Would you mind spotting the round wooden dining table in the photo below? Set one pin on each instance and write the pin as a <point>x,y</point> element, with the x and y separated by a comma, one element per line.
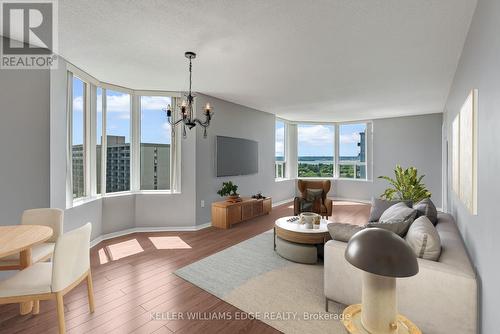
<point>20,239</point>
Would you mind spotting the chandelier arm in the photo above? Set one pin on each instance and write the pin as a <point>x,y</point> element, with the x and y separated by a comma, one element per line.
<point>203,124</point>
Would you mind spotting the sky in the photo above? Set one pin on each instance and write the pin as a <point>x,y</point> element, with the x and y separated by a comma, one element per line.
<point>318,139</point>
<point>154,125</point>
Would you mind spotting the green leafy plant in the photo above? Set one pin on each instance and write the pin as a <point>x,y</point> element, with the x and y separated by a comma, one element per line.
<point>228,189</point>
<point>406,185</point>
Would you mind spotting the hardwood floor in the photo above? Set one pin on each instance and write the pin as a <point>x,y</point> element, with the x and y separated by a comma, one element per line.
<point>129,288</point>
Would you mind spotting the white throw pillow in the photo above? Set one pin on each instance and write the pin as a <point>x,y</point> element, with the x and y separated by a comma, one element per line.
<point>424,239</point>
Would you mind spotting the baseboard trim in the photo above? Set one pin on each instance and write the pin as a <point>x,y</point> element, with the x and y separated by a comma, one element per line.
<point>112,235</point>
<point>282,202</point>
<point>365,201</point>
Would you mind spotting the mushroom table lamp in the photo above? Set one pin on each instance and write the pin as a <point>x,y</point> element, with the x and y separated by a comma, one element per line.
<point>383,256</point>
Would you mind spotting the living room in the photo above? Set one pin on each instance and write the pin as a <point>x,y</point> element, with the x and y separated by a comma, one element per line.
<point>260,167</point>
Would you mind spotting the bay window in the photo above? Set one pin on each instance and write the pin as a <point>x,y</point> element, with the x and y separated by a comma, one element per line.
<point>119,139</point>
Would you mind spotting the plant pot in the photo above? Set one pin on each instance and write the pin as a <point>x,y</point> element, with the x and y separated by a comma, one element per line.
<point>233,198</point>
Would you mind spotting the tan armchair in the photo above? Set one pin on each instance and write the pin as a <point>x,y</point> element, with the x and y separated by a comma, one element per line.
<point>322,206</point>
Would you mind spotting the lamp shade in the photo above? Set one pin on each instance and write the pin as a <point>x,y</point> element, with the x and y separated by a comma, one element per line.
<point>381,252</point>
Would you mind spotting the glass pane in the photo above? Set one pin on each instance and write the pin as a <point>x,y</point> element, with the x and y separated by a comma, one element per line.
<point>346,171</point>
<point>78,129</point>
<point>361,172</point>
<point>352,142</point>
<point>280,141</point>
<point>98,148</point>
<point>156,138</point>
<point>118,141</point>
<point>315,150</point>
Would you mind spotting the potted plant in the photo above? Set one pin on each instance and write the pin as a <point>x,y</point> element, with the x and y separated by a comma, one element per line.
<point>406,186</point>
<point>229,189</point>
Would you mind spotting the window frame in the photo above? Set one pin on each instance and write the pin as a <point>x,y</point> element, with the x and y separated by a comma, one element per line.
<point>281,164</point>
<point>85,143</point>
<point>139,141</point>
<point>335,150</point>
<point>354,163</point>
<point>337,163</point>
<point>90,138</point>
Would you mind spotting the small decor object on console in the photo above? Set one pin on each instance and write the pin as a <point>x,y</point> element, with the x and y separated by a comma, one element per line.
<point>259,196</point>
<point>186,108</point>
<point>229,189</point>
<point>407,186</point>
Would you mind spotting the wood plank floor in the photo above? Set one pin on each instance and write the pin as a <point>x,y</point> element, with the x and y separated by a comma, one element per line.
<point>129,288</point>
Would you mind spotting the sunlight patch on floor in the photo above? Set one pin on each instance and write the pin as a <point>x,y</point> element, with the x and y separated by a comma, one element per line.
<point>123,249</point>
<point>169,243</point>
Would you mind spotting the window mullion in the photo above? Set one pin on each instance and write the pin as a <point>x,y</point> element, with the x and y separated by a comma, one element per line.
<point>91,134</point>
<point>336,142</point>
<point>135,145</point>
<point>104,143</point>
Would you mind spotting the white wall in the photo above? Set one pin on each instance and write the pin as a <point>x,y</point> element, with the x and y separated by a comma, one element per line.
<point>479,68</point>
<point>235,120</point>
<point>24,142</point>
<point>407,141</point>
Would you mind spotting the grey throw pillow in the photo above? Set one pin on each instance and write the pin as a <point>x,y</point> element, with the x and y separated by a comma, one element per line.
<point>343,232</point>
<point>426,208</point>
<point>312,194</point>
<point>397,219</point>
<point>380,205</point>
<point>424,239</point>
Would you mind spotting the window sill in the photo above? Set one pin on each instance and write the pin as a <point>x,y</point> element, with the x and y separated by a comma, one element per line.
<point>333,179</point>
<point>85,200</point>
<point>282,179</point>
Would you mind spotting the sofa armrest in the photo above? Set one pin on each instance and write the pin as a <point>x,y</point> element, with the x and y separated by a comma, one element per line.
<point>439,294</point>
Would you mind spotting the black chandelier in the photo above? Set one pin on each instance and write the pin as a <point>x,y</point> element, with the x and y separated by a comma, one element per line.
<point>186,108</point>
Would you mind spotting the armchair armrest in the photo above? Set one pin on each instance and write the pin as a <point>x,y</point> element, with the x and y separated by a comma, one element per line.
<point>296,206</point>
<point>329,206</point>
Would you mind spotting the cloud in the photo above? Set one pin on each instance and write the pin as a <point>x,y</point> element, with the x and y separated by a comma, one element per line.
<point>118,104</point>
<point>155,103</point>
<point>78,103</point>
<point>350,138</point>
<point>315,135</point>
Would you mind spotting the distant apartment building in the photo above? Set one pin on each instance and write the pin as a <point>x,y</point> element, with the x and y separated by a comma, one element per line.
<point>155,166</point>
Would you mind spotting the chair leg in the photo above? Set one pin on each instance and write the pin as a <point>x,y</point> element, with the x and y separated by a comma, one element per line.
<point>36,307</point>
<point>90,292</point>
<point>60,312</point>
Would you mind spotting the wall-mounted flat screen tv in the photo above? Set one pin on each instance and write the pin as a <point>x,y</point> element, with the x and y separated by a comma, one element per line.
<point>236,156</point>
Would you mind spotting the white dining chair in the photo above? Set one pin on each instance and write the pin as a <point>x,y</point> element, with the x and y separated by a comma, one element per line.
<point>52,280</point>
<point>52,218</point>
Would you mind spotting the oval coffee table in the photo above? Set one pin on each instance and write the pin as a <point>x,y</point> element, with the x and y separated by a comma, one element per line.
<point>295,242</point>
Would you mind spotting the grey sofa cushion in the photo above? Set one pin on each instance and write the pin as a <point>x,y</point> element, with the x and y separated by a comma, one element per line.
<point>397,219</point>
<point>380,205</point>
<point>426,208</point>
<point>343,232</point>
<point>424,239</point>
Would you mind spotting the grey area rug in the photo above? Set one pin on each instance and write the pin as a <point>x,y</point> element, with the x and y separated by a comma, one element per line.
<point>251,276</point>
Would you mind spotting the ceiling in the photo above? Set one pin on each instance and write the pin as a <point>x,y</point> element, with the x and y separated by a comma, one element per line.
<point>321,60</point>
